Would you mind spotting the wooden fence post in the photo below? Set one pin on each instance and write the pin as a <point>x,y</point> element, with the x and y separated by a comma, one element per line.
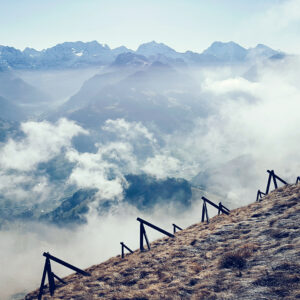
<point>269,181</point>
<point>204,212</point>
<point>143,235</point>
<point>43,279</point>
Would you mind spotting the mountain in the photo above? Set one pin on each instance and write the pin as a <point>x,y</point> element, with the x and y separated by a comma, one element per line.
<point>143,192</point>
<point>120,50</point>
<point>91,88</point>
<point>127,84</point>
<point>154,49</point>
<point>18,98</point>
<point>14,58</point>
<point>72,209</point>
<point>226,52</point>
<point>155,94</point>
<point>74,55</point>
<point>31,52</point>
<point>196,59</point>
<point>18,91</point>
<point>130,59</point>
<point>10,111</point>
<point>253,253</point>
<point>62,56</point>
<point>159,52</point>
<point>261,51</point>
<point>70,55</point>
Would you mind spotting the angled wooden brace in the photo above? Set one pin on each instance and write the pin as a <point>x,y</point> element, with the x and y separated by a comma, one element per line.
<point>123,246</point>
<point>176,227</point>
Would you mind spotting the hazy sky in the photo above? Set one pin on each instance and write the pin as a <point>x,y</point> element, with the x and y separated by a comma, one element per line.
<point>182,24</point>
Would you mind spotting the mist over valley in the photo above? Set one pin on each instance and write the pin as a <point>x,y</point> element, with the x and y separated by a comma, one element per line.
<point>92,137</point>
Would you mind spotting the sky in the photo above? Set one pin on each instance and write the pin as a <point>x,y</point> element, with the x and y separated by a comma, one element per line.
<point>181,24</point>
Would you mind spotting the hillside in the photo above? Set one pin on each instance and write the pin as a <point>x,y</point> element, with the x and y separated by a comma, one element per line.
<point>251,254</point>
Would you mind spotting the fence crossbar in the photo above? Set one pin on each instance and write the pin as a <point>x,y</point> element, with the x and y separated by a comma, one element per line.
<point>222,208</point>
<point>58,278</point>
<point>225,208</point>
<point>277,177</point>
<point>144,235</point>
<point>204,213</point>
<point>77,270</point>
<point>155,227</point>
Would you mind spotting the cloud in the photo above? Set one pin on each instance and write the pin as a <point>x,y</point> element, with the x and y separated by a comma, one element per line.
<point>19,160</point>
<point>236,84</point>
<point>131,149</point>
<point>105,169</point>
<point>42,142</point>
<point>161,166</point>
<point>128,130</point>
<point>94,171</point>
<point>262,131</point>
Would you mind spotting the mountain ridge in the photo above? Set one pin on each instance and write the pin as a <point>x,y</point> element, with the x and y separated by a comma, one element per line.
<point>84,54</point>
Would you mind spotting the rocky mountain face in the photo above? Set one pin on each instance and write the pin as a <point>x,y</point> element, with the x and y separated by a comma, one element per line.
<point>19,99</point>
<point>253,253</point>
<point>152,93</point>
<point>61,56</point>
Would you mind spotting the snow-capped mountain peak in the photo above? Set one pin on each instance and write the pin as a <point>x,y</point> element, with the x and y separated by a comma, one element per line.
<point>153,48</point>
<point>229,51</point>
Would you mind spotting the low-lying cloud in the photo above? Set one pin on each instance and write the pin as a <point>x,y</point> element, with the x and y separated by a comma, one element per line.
<point>42,142</point>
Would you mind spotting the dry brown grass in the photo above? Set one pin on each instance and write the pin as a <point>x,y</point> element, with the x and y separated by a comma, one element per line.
<point>237,259</point>
<point>251,254</point>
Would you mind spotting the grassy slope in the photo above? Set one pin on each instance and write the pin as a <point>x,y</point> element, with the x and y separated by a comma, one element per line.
<point>251,254</point>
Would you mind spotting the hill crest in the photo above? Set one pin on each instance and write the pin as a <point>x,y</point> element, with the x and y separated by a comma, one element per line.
<point>249,254</point>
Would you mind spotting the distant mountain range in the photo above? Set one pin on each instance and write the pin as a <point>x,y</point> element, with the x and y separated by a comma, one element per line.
<point>147,85</point>
<point>80,54</point>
